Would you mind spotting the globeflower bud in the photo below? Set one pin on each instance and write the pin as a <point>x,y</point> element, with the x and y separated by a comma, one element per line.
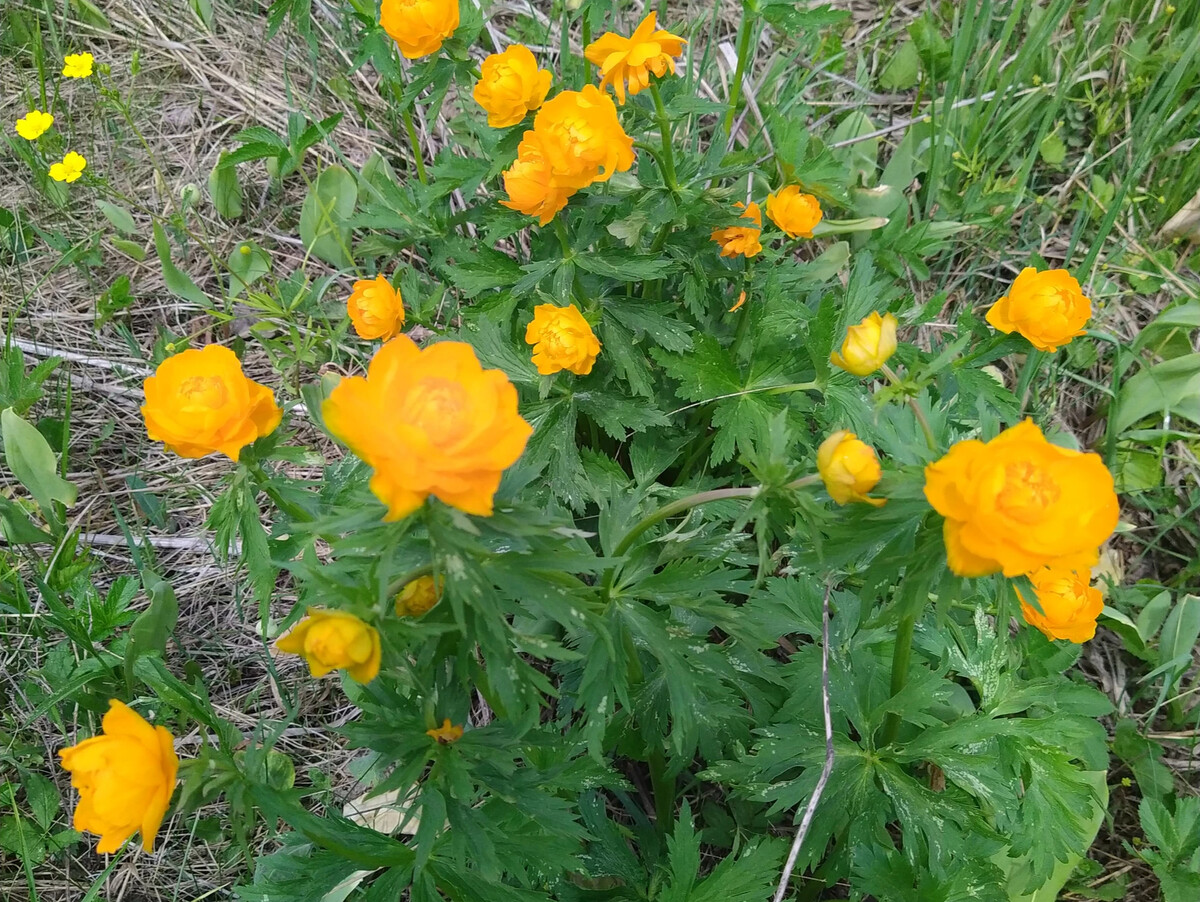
<point>376,309</point>
<point>1069,605</point>
<point>794,212</point>
<point>562,340</point>
<point>335,640</point>
<point>1048,308</point>
<point>511,85</point>
<point>419,27</point>
<point>418,596</point>
<point>849,468</point>
<point>125,778</point>
<point>867,346</point>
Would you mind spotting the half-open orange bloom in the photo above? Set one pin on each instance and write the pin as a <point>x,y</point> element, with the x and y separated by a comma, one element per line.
<point>1017,504</point>
<point>794,212</point>
<point>849,468</point>
<point>125,778</point>
<point>419,27</point>
<point>629,61</point>
<point>741,240</point>
<point>335,640</point>
<point>562,340</point>
<point>375,308</point>
<point>511,85</point>
<point>429,422</point>
<point>1069,605</point>
<point>199,401</point>
<point>1048,308</point>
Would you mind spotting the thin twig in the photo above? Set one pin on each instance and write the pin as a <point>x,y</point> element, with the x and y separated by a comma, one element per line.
<point>811,810</point>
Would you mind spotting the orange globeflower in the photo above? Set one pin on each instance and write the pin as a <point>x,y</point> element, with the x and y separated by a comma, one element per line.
<point>125,778</point>
<point>1069,605</point>
<point>796,213</point>
<point>335,640</point>
<point>531,185</point>
<point>446,733</point>
<point>375,308</point>
<point>867,346</point>
<point>562,340</point>
<point>511,85</point>
<point>1048,308</point>
<point>199,401</point>
<point>1018,503</point>
<point>582,136</point>
<point>630,60</point>
<point>741,240</point>
<point>429,422</point>
<point>849,468</point>
<point>419,596</point>
<point>419,27</point>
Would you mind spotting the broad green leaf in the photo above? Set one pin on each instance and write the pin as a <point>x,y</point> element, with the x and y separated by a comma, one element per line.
<point>203,10</point>
<point>178,282</point>
<point>225,189</point>
<point>1052,149</point>
<point>118,216</point>
<point>41,797</point>
<point>324,218</point>
<point>1181,629</point>
<point>1170,387</point>
<point>129,248</point>
<point>247,264</point>
<point>862,156</point>
<point>152,628</point>
<point>1152,615</point>
<point>32,461</point>
<point>903,69</point>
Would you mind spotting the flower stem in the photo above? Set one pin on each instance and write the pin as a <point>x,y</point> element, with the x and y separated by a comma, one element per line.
<point>416,147</point>
<point>901,655</point>
<point>743,55</point>
<point>917,410</point>
<point>664,126</point>
<point>1033,363</point>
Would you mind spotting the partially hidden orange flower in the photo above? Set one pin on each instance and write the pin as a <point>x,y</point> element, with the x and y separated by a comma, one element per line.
<point>419,596</point>
<point>562,340</point>
<point>1017,504</point>
<point>335,640</point>
<point>419,27</point>
<point>199,402</point>
<point>849,468</point>
<point>741,240</point>
<point>125,778</point>
<point>1048,308</point>
<point>576,140</point>
<point>446,733</point>
<point>429,422</point>
<point>794,212</point>
<point>376,309</point>
<point>629,61</point>
<point>511,85</point>
<point>1069,605</point>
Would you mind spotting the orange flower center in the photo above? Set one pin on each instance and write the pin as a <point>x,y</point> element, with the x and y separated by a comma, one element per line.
<point>1027,492</point>
<point>204,391</point>
<point>437,406</point>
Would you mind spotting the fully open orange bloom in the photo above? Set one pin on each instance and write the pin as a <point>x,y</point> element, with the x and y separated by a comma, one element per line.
<point>429,422</point>
<point>1048,308</point>
<point>849,468</point>
<point>794,212</point>
<point>419,27</point>
<point>511,85</point>
<point>375,308</point>
<point>125,778</point>
<point>1069,605</point>
<point>531,185</point>
<point>199,401</point>
<point>335,640</point>
<point>630,60</point>
<point>562,340</point>
<point>741,240</point>
<point>1018,503</point>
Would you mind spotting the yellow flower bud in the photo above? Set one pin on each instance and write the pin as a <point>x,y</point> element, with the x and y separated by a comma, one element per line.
<point>125,779</point>
<point>446,733</point>
<point>796,213</point>
<point>376,309</point>
<point>867,346</point>
<point>335,640</point>
<point>849,468</point>
<point>562,340</point>
<point>418,596</point>
<point>1069,605</point>
<point>1048,308</point>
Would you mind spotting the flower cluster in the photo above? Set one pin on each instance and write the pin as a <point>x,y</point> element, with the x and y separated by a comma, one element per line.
<point>576,141</point>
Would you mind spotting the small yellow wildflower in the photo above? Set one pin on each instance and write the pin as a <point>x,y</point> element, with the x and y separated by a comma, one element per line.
<point>34,125</point>
<point>78,65</point>
<point>69,169</point>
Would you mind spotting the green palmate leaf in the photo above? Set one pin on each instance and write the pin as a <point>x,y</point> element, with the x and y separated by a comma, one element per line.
<point>325,216</point>
<point>33,463</point>
<point>178,282</point>
<point>903,69</point>
<point>627,268</point>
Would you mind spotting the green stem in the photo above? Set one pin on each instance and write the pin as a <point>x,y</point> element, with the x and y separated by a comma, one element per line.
<point>1033,363</point>
<point>901,656</point>
<point>663,788</point>
<point>743,55</point>
<point>917,410</point>
<point>263,484</point>
<point>664,126</point>
<point>416,147</point>
<point>586,38</point>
